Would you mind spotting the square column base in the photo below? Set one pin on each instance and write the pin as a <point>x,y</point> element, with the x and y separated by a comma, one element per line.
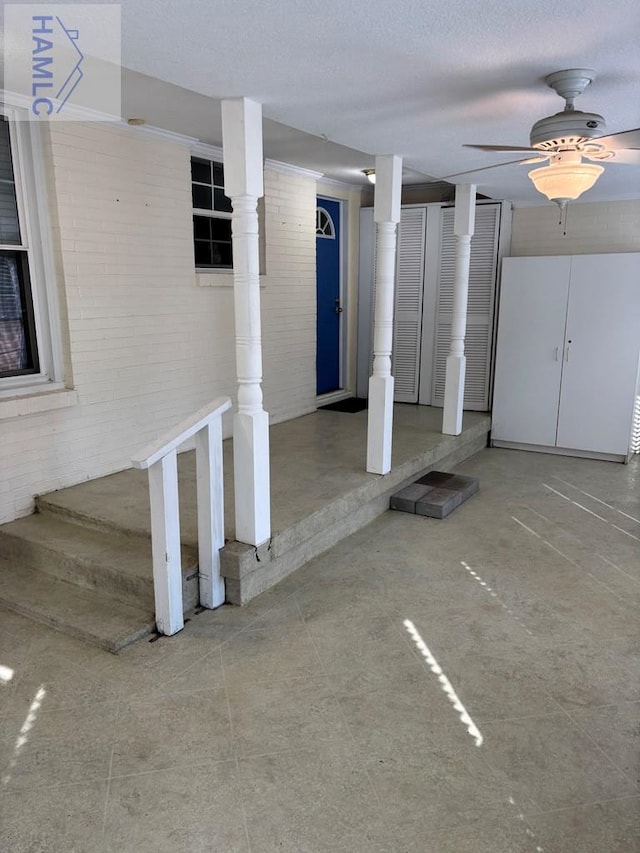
<point>380,424</point>
<point>454,395</point>
<point>251,477</point>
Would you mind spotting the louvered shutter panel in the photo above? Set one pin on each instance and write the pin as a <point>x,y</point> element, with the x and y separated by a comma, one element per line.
<point>407,324</point>
<point>482,284</point>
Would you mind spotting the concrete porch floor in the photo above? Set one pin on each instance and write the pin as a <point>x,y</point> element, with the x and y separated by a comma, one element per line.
<point>315,459</point>
<point>310,721</point>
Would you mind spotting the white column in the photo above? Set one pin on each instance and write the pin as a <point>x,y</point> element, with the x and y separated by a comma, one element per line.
<point>242,146</point>
<point>463,225</point>
<point>386,214</point>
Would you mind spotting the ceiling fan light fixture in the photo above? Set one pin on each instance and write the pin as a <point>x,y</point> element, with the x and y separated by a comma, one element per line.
<point>370,174</point>
<point>564,182</point>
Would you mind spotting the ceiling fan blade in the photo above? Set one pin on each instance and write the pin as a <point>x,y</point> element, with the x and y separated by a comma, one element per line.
<point>618,141</point>
<point>484,169</point>
<point>533,160</point>
<point>625,157</point>
<point>501,147</point>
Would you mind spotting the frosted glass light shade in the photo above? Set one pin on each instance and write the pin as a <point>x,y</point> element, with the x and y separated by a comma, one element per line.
<point>563,182</point>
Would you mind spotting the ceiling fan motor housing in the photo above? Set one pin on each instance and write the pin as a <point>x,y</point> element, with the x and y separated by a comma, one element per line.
<point>567,128</point>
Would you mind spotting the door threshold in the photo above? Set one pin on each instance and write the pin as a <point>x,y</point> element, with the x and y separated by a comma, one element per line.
<point>332,397</point>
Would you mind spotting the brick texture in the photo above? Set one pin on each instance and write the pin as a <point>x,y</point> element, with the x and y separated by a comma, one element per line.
<point>145,345</point>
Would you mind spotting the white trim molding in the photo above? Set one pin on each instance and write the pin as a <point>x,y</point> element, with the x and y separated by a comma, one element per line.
<point>341,185</point>
<point>159,132</point>
<point>72,112</point>
<point>206,151</point>
<point>289,168</point>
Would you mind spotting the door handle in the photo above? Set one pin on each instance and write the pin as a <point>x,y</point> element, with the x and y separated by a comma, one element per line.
<point>556,354</point>
<point>338,307</point>
<point>567,351</point>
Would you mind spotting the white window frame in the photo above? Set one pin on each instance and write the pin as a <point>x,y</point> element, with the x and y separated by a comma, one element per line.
<point>31,197</point>
<point>214,155</point>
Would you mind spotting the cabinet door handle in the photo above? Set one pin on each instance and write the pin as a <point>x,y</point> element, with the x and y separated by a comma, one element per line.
<point>567,350</point>
<point>556,354</point>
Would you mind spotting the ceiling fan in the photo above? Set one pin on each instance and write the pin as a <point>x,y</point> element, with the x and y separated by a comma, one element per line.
<point>569,138</point>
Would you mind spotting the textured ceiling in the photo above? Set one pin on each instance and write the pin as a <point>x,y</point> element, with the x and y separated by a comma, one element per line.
<point>413,77</point>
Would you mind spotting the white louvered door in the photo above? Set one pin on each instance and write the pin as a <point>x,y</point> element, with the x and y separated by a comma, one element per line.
<point>482,283</point>
<point>407,326</point>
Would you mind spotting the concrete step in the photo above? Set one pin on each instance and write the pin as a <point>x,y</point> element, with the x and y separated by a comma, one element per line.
<point>92,559</point>
<point>81,613</point>
<point>249,571</point>
<point>119,503</point>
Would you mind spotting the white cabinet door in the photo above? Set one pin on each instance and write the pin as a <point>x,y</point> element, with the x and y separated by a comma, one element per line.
<point>601,353</point>
<point>533,307</point>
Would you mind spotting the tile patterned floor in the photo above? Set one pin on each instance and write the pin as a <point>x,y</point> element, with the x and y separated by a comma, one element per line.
<point>312,722</point>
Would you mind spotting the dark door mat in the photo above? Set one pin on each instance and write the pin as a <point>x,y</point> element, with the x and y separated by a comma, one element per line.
<point>435,495</point>
<point>351,404</point>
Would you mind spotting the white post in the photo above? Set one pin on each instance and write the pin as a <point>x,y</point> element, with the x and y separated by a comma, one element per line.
<point>386,215</point>
<point>165,544</point>
<point>242,146</point>
<point>463,225</point>
<point>210,492</point>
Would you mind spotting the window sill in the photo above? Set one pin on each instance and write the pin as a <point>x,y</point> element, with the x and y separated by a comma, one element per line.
<point>214,278</point>
<point>219,278</point>
<point>34,402</point>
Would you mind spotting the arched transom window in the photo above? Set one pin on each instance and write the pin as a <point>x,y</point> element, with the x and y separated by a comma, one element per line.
<point>324,224</point>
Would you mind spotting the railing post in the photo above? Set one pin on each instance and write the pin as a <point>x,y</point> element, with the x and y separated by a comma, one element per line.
<point>165,543</point>
<point>210,494</point>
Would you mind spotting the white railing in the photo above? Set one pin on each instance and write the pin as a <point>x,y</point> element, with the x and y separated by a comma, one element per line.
<point>160,457</point>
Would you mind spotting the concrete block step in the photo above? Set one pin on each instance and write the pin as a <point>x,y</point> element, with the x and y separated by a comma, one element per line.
<point>92,559</point>
<point>81,613</point>
<point>438,503</point>
<point>467,486</point>
<point>435,494</point>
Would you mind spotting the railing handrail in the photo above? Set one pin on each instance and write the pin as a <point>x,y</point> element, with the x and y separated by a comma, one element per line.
<point>159,448</point>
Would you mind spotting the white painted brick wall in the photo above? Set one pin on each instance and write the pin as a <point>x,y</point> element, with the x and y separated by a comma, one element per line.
<point>592,228</point>
<point>147,345</point>
<point>289,299</point>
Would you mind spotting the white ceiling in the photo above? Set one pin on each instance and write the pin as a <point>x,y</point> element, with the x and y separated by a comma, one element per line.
<point>411,77</point>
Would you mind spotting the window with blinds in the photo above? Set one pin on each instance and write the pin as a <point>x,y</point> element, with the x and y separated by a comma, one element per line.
<point>18,348</point>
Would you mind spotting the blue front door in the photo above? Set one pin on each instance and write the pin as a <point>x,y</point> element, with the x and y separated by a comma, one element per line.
<point>328,295</point>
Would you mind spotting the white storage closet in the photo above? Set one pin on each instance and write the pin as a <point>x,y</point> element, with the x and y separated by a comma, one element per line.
<point>568,354</point>
<point>423,302</point>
